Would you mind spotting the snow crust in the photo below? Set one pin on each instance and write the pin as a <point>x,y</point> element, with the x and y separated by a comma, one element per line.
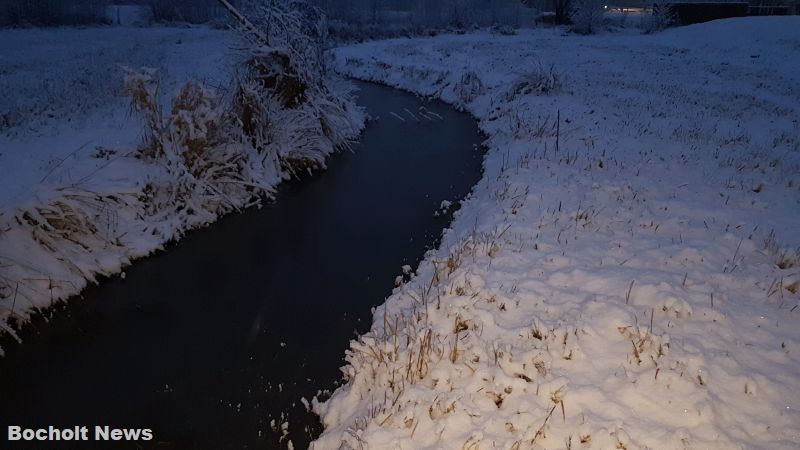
<point>625,275</point>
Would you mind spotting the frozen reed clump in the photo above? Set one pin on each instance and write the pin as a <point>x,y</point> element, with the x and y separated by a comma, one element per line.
<point>541,80</point>
<point>226,149</point>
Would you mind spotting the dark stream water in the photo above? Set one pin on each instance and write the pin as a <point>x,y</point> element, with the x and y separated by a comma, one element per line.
<point>208,342</point>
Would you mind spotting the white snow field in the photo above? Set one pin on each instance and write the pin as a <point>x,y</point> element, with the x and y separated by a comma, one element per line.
<point>75,200</point>
<point>624,276</point>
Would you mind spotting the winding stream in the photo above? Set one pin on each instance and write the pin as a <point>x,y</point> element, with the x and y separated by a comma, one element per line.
<point>209,341</point>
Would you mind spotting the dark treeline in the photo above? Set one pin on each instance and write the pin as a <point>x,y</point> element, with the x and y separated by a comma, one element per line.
<point>362,16</point>
<point>363,19</point>
<point>21,13</point>
<point>435,13</point>
<point>51,12</point>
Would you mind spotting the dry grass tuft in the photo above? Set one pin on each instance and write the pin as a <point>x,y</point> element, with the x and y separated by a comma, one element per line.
<point>142,88</point>
<point>469,88</point>
<point>787,259</point>
<point>542,80</point>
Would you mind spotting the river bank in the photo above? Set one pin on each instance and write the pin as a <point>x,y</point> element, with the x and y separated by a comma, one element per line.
<point>625,274</point>
<point>224,339</point>
<point>85,189</point>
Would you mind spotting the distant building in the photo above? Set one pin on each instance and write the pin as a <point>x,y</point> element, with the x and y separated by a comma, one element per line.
<point>753,7</point>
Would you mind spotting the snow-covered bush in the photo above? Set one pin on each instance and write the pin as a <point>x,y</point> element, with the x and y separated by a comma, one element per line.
<point>663,17</point>
<point>294,28</point>
<point>195,124</point>
<point>469,87</point>
<point>298,121</point>
<point>587,16</point>
<point>541,80</point>
<point>142,88</point>
<point>226,152</point>
<point>287,63</point>
<point>211,172</point>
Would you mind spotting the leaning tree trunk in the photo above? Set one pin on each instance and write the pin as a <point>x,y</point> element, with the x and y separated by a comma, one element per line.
<point>248,26</point>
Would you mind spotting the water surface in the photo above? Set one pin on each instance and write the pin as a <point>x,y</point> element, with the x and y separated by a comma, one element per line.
<point>228,329</point>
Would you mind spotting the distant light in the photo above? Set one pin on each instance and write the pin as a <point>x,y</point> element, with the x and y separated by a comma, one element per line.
<point>605,7</point>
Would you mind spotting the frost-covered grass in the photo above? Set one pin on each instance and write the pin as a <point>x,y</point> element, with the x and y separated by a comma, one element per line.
<point>625,275</point>
<point>103,161</point>
<point>63,89</point>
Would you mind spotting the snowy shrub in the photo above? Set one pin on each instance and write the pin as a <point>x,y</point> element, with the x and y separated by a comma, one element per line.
<point>540,80</point>
<point>197,146</point>
<point>469,87</point>
<point>294,28</point>
<point>224,153</point>
<point>142,87</point>
<point>300,124</point>
<point>195,122</point>
<point>314,115</point>
<point>587,16</point>
<point>663,17</point>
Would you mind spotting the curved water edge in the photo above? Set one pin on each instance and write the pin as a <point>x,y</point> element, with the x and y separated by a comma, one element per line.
<point>209,342</point>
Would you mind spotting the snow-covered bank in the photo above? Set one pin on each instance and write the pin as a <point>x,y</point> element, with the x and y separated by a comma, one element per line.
<point>86,185</point>
<point>626,273</point>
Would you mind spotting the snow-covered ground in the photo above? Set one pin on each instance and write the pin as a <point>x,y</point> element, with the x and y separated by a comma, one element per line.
<point>62,94</point>
<point>76,201</point>
<point>625,275</point>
